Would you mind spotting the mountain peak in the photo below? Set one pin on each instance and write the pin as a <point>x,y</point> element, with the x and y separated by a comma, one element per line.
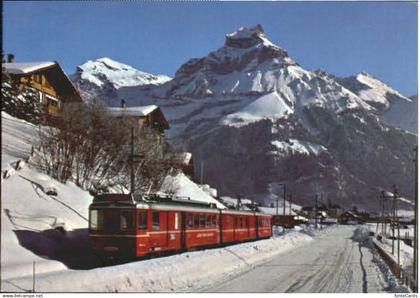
<point>247,37</point>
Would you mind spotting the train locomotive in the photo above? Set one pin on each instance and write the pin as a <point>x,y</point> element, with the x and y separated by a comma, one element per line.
<point>127,226</point>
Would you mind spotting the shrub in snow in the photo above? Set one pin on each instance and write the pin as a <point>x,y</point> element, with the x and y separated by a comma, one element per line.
<point>21,103</point>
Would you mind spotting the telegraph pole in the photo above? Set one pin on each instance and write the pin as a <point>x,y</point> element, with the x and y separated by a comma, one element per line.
<point>379,215</point>
<point>132,161</point>
<point>290,201</point>
<point>415,239</point>
<point>316,211</point>
<point>394,207</point>
<point>284,199</point>
<point>383,211</point>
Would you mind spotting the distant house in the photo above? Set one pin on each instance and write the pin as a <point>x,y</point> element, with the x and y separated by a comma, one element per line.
<point>149,116</point>
<point>54,89</point>
<point>334,211</point>
<point>350,217</point>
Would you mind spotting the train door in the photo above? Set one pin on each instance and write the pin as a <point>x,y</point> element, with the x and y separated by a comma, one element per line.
<point>183,232</point>
<point>159,231</point>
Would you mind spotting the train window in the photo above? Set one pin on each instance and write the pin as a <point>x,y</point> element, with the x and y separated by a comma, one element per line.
<point>247,222</point>
<point>202,220</point>
<point>142,220</point>
<point>196,221</point>
<point>213,220</point>
<point>126,220</point>
<point>208,221</point>
<point>240,221</point>
<point>176,220</point>
<point>156,221</point>
<point>94,220</point>
<point>190,221</point>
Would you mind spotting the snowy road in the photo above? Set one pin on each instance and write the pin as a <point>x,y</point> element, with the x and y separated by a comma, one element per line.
<point>333,263</point>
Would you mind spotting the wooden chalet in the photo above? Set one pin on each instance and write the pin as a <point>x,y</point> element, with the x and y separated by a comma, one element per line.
<point>350,217</point>
<point>149,116</point>
<point>48,80</point>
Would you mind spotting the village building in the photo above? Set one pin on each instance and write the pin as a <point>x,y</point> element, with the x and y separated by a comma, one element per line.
<point>54,89</point>
<point>351,217</point>
<point>144,116</point>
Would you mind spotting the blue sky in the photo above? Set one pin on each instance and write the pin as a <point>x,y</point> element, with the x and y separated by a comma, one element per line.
<point>157,37</point>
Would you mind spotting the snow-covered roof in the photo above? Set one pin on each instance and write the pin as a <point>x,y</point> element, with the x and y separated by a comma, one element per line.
<point>132,111</point>
<point>275,211</point>
<point>26,67</point>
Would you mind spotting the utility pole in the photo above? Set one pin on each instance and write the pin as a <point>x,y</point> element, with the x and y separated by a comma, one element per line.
<point>132,161</point>
<point>277,206</point>
<point>379,214</point>
<point>415,239</point>
<point>383,211</point>
<point>284,199</point>
<point>394,207</point>
<point>201,172</point>
<point>316,211</point>
<point>398,243</point>
<point>290,201</point>
<point>284,207</point>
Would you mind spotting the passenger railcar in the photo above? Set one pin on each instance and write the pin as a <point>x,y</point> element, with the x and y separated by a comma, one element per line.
<point>124,226</point>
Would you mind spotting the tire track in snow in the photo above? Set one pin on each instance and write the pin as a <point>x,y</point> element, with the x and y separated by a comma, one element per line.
<point>364,275</point>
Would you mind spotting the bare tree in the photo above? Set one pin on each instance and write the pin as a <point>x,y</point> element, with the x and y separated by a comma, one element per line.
<point>92,148</point>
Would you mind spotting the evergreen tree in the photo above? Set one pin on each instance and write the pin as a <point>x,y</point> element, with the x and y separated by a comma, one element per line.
<point>23,104</point>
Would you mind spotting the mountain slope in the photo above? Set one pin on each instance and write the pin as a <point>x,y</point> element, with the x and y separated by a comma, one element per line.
<point>256,119</point>
<point>394,108</point>
<point>104,77</point>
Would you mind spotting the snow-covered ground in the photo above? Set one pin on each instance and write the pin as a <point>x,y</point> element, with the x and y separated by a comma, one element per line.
<point>183,272</point>
<point>50,230</point>
<point>406,251</point>
<point>339,260</point>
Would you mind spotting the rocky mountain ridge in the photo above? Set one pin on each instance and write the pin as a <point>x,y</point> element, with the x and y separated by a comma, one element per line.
<point>249,111</point>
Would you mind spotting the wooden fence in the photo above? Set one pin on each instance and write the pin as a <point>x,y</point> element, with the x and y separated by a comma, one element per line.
<point>403,275</point>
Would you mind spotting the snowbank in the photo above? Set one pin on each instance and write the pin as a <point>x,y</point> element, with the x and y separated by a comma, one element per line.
<point>182,273</point>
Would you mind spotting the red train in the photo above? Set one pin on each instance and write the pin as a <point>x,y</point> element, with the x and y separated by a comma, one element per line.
<point>125,226</point>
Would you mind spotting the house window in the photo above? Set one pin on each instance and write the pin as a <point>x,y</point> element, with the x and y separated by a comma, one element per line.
<point>156,221</point>
<point>37,78</point>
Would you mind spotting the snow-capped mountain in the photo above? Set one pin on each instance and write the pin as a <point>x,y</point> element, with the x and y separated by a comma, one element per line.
<point>394,108</point>
<point>255,119</point>
<point>104,77</point>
